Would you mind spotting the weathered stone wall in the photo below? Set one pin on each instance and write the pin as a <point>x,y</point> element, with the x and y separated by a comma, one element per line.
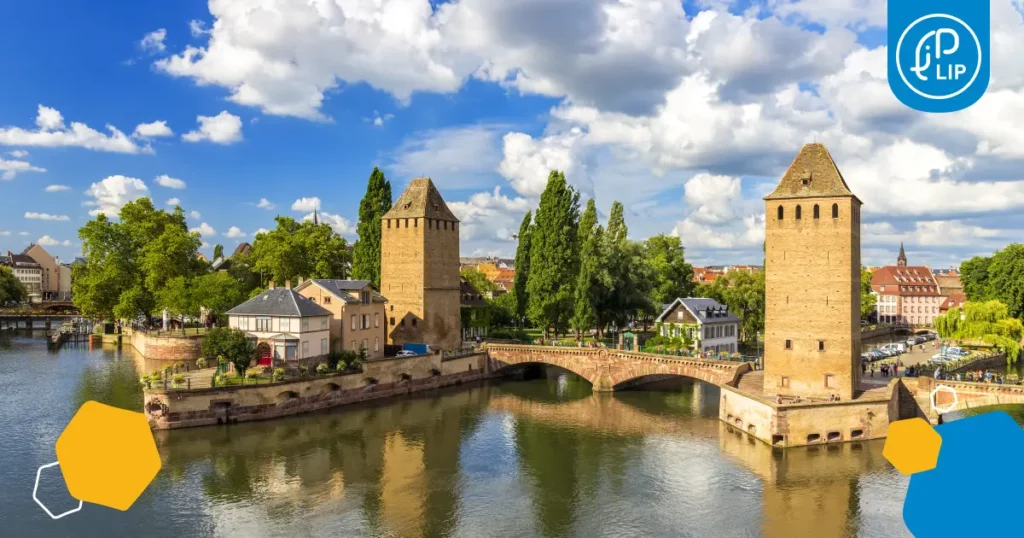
<point>607,370</point>
<point>168,409</point>
<point>812,295</point>
<point>165,347</point>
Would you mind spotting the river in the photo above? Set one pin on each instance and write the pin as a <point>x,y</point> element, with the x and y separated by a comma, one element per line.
<point>541,457</point>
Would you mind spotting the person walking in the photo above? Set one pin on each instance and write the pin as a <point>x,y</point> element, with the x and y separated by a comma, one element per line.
<point>872,370</point>
<point>896,370</point>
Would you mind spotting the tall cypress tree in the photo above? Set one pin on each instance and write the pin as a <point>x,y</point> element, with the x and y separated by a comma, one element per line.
<point>554,255</point>
<point>373,206</point>
<point>523,267</point>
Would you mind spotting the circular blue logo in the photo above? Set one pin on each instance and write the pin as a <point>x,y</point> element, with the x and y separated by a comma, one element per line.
<point>938,56</point>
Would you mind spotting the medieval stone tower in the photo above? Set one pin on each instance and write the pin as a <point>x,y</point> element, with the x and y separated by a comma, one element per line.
<point>419,271</point>
<point>812,281</point>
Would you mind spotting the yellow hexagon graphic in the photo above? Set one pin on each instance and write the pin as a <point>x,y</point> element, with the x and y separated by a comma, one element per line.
<point>107,455</point>
<point>912,446</point>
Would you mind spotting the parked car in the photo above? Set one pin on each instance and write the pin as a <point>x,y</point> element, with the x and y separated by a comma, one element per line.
<point>886,352</point>
<point>863,323</point>
<point>896,347</point>
<point>406,353</point>
<point>956,351</point>
<point>911,342</point>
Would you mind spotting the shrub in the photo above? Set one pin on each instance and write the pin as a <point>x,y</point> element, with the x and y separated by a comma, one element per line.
<point>146,382</point>
<point>201,363</point>
<point>167,371</point>
<point>341,366</point>
<point>179,380</point>
<point>303,370</point>
<point>179,365</point>
<point>356,363</point>
<point>253,375</point>
<point>278,374</point>
<point>156,375</point>
<point>322,368</point>
<point>218,380</point>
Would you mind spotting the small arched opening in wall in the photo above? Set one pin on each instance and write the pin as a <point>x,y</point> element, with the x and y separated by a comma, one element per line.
<point>287,396</point>
<point>404,377</point>
<point>434,372</point>
<point>371,381</point>
<point>328,388</point>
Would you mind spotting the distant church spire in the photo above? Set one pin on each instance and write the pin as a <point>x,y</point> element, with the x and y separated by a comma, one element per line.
<point>316,222</point>
<point>901,260</point>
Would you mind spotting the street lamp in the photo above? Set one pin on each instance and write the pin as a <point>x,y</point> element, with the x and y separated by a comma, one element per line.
<point>758,356</point>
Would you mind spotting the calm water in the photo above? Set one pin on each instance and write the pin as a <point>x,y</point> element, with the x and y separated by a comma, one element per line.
<point>544,457</point>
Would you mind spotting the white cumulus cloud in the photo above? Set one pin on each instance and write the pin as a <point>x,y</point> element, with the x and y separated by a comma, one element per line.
<point>306,204</point>
<point>234,232</point>
<point>52,132</point>
<point>56,188</point>
<point>155,129</point>
<point>265,204</point>
<point>154,41</point>
<point>170,182</point>
<point>10,169</point>
<point>224,128</point>
<point>204,230</point>
<point>113,192</point>
<point>173,202</point>
<point>341,225</point>
<point>46,216</point>
<point>48,241</point>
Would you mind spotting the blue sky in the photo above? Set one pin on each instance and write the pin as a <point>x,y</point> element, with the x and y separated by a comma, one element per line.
<point>688,114</point>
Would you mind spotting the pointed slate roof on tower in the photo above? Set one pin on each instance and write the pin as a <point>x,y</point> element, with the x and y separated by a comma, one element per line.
<point>421,200</point>
<point>901,260</point>
<point>813,174</point>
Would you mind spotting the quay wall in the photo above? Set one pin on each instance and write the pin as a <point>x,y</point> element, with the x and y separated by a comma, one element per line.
<point>805,424</point>
<point>169,348</point>
<point>172,408</point>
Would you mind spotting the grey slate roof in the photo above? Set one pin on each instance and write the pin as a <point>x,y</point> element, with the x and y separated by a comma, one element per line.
<point>279,302</point>
<point>338,287</point>
<point>696,306</point>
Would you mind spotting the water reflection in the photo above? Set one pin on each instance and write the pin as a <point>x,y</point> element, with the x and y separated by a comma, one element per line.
<point>541,457</point>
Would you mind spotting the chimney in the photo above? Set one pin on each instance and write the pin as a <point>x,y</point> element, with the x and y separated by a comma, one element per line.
<point>271,285</point>
<point>288,284</point>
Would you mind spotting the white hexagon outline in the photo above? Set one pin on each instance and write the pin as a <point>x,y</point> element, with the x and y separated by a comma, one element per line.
<point>35,490</point>
<point>948,408</point>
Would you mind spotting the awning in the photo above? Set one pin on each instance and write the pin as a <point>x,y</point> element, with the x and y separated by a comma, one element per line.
<point>284,337</point>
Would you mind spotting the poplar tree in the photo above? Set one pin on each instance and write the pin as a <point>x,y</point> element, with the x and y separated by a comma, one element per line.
<point>366,253</point>
<point>522,265</point>
<point>590,281</point>
<point>554,255</point>
<point>218,251</point>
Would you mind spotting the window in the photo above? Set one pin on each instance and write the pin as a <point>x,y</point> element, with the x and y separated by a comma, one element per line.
<point>353,322</point>
<point>323,346</point>
<point>323,324</point>
<point>799,213</point>
<point>376,343</point>
<point>415,223</point>
<point>406,223</point>
<point>817,213</point>
<point>305,350</point>
<point>364,344</point>
<point>305,325</point>
<point>354,346</point>
<point>835,211</point>
<point>376,320</point>
<point>284,324</point>
<point>402,322</point>
<point>243,323</point>
<point>392,321</point>
<point>780,212</point>
<point>821,345</point>
<point>784,382</point>
<point>366,321</point>
<point>413,322</point>
<point>789,344</point>
<point>830,381</point>
<point>389,223</point>
<point>430,225</point>
<point>366,297</point>
<point>263,324</point>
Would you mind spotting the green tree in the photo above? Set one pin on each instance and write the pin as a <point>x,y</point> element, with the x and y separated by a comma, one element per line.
<point>867,299</point>
<point>218,252</point>
<point>988,321</point>
<point>478,280</point>
<point>129,262</point>
<point>974,277</point>
<point>293,250</point>
<point>218,292</point>
<point>592,281</point>
<point>672,276</point>
<point>178,298</point>
<point>1006,278</point>
<point>522,263</point>
<point>628,299</point>
<point>232,345</point>
<point>11,289</point>
<point>375,203</point>
<point>554,255</point>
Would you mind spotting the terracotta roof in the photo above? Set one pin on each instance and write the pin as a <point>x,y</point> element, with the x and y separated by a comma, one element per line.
<point>701,274</point>
<point>949,282</point>
<point>906,281</point>
<point>954,300</point>
<point>242,250</point>
<point>421,199</point>
<point>813,174</point>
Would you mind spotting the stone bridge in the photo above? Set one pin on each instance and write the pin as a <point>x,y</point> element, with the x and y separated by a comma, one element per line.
<point>608,370</point>
<point>968,395</point>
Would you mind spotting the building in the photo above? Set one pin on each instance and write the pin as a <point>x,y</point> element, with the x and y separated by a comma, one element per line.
<point>949,282</point>
<point>906,294</point>
<point>475,311</point>
<point>358,315</point>
<point>285,325</point>
<point>50,270</point>
<point>706,275</point>
<point>812,292</point>
<point>29,273</point>
<point>953,300</point>
<point>420,268</point>
<point>222,264</point>
<point>705,322</point>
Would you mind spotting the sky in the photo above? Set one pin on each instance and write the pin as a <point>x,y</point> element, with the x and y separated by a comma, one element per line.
<point>688,113</point>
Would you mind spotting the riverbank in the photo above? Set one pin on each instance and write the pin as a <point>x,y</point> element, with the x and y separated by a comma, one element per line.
<point>181,408</point>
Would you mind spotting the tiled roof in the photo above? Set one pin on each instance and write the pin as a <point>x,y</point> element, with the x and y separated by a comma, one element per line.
<point>242,249</point>
<point>701,274</point>
<point>906,281</point>
<point>705,310</point>
<point>280,302</point>
<point>949,283</point>
<point>339,288</point>
<point>421,199</point>
<point>813,174</point>
<point>468,294</point>
<point>24,260</point>
<point>954,300</point>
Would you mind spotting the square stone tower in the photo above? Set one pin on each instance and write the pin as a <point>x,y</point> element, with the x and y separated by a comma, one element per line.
<point>812,281</point>
<point>419,271</point>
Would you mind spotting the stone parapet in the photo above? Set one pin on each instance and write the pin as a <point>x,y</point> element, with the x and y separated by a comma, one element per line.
<point>166,347</point>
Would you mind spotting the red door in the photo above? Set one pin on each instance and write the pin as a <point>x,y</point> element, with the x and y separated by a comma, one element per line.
<point>266,356</point>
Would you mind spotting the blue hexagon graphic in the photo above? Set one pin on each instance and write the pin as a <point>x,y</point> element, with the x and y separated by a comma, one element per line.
<point>964,495</point>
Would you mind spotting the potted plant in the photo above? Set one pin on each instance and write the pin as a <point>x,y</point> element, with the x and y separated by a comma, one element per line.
<point>322,368</point>
<point>178,381</point>
<point>201,363</point>
<point>278,374</point>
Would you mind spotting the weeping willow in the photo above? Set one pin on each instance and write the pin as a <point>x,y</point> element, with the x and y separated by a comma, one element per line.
<point>989,322</point>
